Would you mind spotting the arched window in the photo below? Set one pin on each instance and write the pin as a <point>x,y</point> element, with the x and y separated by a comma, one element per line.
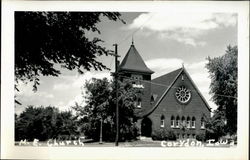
<point>193,122</point>
<point>177,122</point>
<point>188,122</point>
<point>139,103</point>
<point>172,121</point>
<point>202,123</point>
<point>183,122</point>
<point>162,120</point>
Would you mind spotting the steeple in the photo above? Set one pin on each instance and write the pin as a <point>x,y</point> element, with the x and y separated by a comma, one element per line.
<point>132,40</point>
<point>134,62</point>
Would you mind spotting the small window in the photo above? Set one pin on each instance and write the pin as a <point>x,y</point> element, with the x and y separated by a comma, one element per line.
<point>202,123</point>
<point>139,103</point>
<point>193,122</point>
<point>172,121</point>
<point>162,121</point>
<point>153,98</point>
<point>177,122</point>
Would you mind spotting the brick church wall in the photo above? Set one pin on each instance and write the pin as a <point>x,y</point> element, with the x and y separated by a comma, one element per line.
<point>170,106</point>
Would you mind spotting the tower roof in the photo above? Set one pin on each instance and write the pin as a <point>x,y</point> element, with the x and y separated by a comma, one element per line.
<point>134,62</point>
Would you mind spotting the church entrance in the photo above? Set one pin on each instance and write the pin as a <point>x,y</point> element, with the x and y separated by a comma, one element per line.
<point>146,127</point>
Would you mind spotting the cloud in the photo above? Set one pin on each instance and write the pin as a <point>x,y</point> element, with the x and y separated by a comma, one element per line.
<point>197,69</point>
<point>182,27</point>
<point>74,83</point>
<point>48,95</point>
<point>197,65</point>
<point>65,91</point>
<point>79,99</point>
<point>26,90</point>
<point>77,81</point>
<point>170,63</point>
<point>61,86</point>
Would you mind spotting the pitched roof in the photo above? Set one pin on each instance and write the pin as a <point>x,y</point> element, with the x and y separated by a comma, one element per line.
<point>134,62</point>
<point>167,81</point>
<point>158,90</point>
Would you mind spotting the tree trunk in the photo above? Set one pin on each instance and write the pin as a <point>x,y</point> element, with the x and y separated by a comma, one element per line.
<point>100,131</point>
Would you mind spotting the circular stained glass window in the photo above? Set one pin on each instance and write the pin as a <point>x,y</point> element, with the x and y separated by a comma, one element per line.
<point>183,94</point>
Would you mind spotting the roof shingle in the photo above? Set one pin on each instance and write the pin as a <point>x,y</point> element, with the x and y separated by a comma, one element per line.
<point>134,62</point>
<point>166,80</point>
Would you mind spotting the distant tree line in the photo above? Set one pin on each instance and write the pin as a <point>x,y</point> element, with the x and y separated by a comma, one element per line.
<point>44,123</point>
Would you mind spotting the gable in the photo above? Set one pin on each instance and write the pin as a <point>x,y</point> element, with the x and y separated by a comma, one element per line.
<point>166,81</point>
<point>197,90</point>
<point>170,86</point>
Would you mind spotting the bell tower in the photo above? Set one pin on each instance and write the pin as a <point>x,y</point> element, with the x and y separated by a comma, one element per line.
<point>134,68</point>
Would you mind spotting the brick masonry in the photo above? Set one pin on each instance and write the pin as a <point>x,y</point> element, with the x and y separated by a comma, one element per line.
<point>170,106</point>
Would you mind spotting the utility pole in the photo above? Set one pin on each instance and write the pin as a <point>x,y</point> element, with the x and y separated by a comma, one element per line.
<point>116,95</point>
<point>100,141</point>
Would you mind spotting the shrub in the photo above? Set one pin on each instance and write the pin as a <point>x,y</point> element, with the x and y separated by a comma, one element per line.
<point>163,134</point>
<point>159,134</point>
<point>201,137</point>
<point>171,135</point>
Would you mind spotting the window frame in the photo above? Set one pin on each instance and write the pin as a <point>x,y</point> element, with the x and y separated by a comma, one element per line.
<point>172,122</point>
<point>162,123</point>
<point>177,122</point>
<point>193,122</point>
<point>188,122</point>
<point>202,123</point>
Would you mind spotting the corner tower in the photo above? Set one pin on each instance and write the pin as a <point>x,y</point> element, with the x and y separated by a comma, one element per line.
<point>133,67</point>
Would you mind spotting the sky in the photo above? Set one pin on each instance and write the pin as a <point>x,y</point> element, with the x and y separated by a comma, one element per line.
<point>164,40</point>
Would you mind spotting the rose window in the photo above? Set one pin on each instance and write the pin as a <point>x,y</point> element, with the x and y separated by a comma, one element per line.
<point>183,94</point>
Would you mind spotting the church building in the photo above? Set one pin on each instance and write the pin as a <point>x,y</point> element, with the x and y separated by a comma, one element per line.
<point>171,101</point>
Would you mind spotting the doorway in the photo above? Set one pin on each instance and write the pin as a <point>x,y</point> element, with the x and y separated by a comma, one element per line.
<point>146,127</point>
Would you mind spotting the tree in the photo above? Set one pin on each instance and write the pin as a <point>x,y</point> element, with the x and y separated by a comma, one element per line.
<point>96,110</point>
<point>43,39</point>
<point>101,106</point>
<point>224,80</point>
<point>215,126</point>
<point>44,123</point>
